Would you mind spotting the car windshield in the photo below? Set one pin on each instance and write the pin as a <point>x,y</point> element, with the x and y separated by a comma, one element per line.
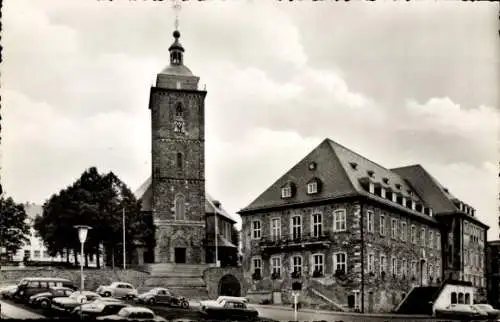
<point>485,306</point>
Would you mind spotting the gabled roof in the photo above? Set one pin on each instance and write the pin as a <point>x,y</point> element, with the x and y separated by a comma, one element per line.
<point>145,194</point>
<point>335,182</point>
<point>340,171</point>
<point>433,193</point>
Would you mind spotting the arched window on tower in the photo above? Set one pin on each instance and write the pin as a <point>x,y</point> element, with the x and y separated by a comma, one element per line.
<point>179,161</point>
<point>178,110</point>
<point>180,207</point>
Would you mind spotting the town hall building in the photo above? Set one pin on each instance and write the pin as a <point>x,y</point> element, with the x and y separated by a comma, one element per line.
<point>357,236</point>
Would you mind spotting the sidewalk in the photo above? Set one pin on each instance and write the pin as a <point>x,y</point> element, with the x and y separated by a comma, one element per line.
<point>10,311</point>
<point>388,315</point>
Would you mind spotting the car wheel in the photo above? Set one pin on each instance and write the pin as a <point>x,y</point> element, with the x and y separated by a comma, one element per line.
<point>151,301</point>
<point>44,304</point>
<point>185,304</point>
<point>107,294</point>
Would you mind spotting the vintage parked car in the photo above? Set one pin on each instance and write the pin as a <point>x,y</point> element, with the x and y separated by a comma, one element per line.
<point>492,312</point>
<point>230,310</point>
<point>100,307</point>
<point>220,300</point>
<point>44,299</point>
<point>133,313</point>
<point>75,299</point>
<point>162,295</point>
<point>8,291</point>
<point>33,285</point>
<point>118,289</point>
<point>467,311</point>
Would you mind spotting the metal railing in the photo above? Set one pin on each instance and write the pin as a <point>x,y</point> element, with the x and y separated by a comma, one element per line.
<point>271,240</point>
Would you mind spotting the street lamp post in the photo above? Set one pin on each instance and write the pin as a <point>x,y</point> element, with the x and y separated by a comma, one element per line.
<point>82,235</point>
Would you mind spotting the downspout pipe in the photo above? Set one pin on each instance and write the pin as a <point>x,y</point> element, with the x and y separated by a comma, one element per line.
<point>362,259</point>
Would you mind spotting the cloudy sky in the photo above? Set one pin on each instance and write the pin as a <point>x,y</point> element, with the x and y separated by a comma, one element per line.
<point>400,83</point>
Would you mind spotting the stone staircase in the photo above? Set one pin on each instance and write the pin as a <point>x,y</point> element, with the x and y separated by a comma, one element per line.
<point>182,279</point>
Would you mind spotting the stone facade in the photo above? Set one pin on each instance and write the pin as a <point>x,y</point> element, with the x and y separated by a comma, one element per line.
<point>382,290</point>
<point>178,163</point>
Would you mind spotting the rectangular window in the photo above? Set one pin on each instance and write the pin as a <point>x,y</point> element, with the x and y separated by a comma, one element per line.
<point>27,254</point>
<point>394,266</point>
<point>312,187</point>
<point>339,223</point>
<point>414,269</point>
<point>296,227</point>
<point>318,263</point>
<point>370,220</point>
<point>422,236</point>
<point>394,228</point>
<point>413,234</point>
<point>430,271</point>
<point>256,229</point>
<point>438,241</point>
<point>437,271</point>
<point>297,264</point>
<point>403,231</point>
<point>431,238</point>
<point>286,192</point>
<point>276,228</point>
<point>371,263</point>
<point>404,268</point>
<point>276,266</point>
<point>383,264</point>
<point>257,264</point>
<point>45,254</point>
<point>340,262</point>
<point>382,225</point>
<point>317,224</point>
<point>37,254</point>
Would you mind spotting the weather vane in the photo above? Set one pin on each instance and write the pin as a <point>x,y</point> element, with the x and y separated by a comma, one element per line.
<point>177,9</point>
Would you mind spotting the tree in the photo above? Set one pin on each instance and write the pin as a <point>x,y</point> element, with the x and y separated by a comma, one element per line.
<point>98,201</point>
<point>13,225</point>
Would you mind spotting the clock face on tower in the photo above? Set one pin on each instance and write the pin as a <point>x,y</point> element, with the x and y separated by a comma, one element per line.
<point>179,126</point>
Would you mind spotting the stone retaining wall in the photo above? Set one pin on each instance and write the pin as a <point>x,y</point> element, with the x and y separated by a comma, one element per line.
<point>213,275</point>
<point>93,277</point>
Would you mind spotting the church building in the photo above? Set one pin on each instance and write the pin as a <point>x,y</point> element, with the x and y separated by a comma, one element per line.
<point>183,212</point>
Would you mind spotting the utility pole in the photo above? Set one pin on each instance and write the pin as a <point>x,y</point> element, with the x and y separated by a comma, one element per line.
<point>124,248</point>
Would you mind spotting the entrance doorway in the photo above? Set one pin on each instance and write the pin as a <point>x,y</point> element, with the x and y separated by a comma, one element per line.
<point>229,286</point>
<point>180,255</point>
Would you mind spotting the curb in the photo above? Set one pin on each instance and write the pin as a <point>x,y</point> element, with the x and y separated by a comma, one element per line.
<point>388,315</point>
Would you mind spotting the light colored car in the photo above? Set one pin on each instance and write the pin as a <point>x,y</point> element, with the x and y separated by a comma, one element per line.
<point>455,311</point>
<point>118,289</point>
<point>488,309</point>
<point>75,299</point>
<point>231,310</point>
<point>135,313</point>
<point>219,302</point>
<point>44,299</point>
<point>8,291</point>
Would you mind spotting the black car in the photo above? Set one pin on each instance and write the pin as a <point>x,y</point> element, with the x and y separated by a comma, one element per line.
<point>162,295</point>
<point>100,307</point>
<point>44,299</point>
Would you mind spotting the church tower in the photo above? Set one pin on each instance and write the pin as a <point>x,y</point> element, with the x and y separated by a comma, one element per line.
<point>178,161</point>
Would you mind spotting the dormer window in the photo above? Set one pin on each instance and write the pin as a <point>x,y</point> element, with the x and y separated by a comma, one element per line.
<point>353,165</point>
<point>385,180</point>
<point>370,173</point>
<point>288,190</point>
<point>398,186</point>
<point>446,190</point>
<point>313,186</point>
<point>410,193</point>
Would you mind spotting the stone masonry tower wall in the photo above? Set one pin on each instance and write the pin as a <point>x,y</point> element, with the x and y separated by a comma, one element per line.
<point>178,162</point>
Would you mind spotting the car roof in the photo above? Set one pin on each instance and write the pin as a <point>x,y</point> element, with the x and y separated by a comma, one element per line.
<point>50,279</point>
<point>136,309</point>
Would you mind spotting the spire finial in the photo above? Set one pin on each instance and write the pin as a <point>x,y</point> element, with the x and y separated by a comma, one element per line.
<point>177,8</point>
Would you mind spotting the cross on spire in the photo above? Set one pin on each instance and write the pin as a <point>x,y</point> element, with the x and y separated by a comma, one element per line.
<point>177,8</point>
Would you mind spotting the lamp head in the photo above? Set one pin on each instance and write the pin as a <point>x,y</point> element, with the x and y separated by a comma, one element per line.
<point>82,232</point>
